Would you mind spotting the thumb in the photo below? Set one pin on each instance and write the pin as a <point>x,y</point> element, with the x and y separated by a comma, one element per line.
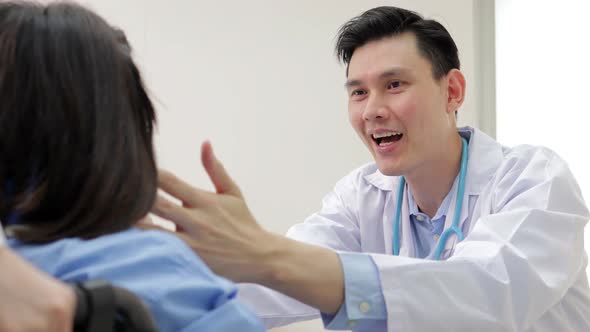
<point>217,173</point>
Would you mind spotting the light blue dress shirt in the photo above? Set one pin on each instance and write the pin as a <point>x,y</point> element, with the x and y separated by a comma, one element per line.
<point>364,306</point>
<point>182,293</point>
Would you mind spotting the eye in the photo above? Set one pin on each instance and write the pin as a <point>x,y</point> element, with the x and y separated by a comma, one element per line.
<point>357,93</point>
<point>394,85</point>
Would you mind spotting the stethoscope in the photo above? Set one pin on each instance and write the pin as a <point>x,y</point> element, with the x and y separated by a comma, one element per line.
<point>454,229</point>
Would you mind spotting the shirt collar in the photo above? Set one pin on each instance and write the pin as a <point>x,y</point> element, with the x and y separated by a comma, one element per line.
<point>442,209</point>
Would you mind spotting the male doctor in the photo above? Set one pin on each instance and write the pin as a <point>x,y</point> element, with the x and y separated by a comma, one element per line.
<point>446,231</point>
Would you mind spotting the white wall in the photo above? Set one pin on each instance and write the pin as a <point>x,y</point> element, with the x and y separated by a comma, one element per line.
<point>543,69</point>
<point>259,79</point>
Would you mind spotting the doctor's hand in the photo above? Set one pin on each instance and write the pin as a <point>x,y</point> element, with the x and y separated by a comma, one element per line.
<point>217,226</point>
<point>31,301</point>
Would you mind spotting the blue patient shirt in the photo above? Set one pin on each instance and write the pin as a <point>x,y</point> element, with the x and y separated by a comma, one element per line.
<point>182,293</point>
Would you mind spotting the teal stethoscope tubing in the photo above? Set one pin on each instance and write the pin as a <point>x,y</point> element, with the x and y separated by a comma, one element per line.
<point>454,229</point>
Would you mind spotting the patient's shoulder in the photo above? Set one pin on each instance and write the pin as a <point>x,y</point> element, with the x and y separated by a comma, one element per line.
<point>176,284</point>
<point>157,266</point>
<point>145,251</point>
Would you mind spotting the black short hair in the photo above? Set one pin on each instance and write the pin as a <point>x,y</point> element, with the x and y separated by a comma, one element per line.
<point>76,124</point>
<point>434,41</point>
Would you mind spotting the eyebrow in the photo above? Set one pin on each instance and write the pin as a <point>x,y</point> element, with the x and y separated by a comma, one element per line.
<point>388,73</point>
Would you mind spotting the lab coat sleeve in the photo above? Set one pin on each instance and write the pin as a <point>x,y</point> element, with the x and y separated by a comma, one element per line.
<point>517,262</point>
<point>335,226</point>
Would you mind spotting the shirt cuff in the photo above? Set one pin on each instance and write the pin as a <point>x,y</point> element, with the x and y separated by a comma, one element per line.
<point>364,305</point>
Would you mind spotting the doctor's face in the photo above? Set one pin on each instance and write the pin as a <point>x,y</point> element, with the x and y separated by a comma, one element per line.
<point>396,106</point>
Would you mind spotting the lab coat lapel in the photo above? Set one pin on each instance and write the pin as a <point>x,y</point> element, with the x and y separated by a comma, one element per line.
<point>406,240</point>
<point>484,156</point>
<point>463,214</point>
<point>388,215</point>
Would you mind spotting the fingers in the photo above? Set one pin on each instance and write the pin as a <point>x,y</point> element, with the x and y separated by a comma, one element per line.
<point>185,237</point>
<point>147,220</point>
<point>155,227</point>
<point>217,173</point>
<point>177,214</point>
<point>181,190</point>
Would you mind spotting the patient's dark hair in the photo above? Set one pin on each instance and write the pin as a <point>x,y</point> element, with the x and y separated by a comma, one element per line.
<point>76,152</point>
<point>434,41</point>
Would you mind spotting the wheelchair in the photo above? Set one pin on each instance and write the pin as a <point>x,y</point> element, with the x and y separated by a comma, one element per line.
<point>102,307</point>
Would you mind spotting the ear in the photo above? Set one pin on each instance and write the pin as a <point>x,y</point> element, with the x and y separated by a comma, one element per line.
<point>455,90</point>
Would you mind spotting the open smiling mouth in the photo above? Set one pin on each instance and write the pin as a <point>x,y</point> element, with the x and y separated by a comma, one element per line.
<point>386,138</point>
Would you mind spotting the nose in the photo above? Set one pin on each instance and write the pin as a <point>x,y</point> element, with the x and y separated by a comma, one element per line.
<point>376,108</point>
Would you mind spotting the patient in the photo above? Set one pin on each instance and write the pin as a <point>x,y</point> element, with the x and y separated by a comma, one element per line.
<point>77,168</point>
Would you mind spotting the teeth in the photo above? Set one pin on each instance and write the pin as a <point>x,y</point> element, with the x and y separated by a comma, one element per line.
<point>375,136</point>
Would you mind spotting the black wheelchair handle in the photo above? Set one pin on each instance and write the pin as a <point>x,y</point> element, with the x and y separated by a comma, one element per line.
<point>102,307</point>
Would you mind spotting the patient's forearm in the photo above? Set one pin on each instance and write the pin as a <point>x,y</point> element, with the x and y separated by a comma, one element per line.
<point>308,273</point>
<point>32,300</point>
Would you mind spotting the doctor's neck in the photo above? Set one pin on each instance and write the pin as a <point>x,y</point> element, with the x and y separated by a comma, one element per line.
<point>433,179</point>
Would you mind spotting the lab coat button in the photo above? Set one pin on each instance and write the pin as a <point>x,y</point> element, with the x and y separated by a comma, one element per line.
<point>435,237</point>
<point>351,323</point>
<point>364,307</point>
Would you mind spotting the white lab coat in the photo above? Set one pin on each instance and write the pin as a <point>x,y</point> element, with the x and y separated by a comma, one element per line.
<point>521,266</point>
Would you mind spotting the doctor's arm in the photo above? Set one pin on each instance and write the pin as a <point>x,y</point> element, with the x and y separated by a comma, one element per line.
<point>221,229</point>
<point>335,226</point>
